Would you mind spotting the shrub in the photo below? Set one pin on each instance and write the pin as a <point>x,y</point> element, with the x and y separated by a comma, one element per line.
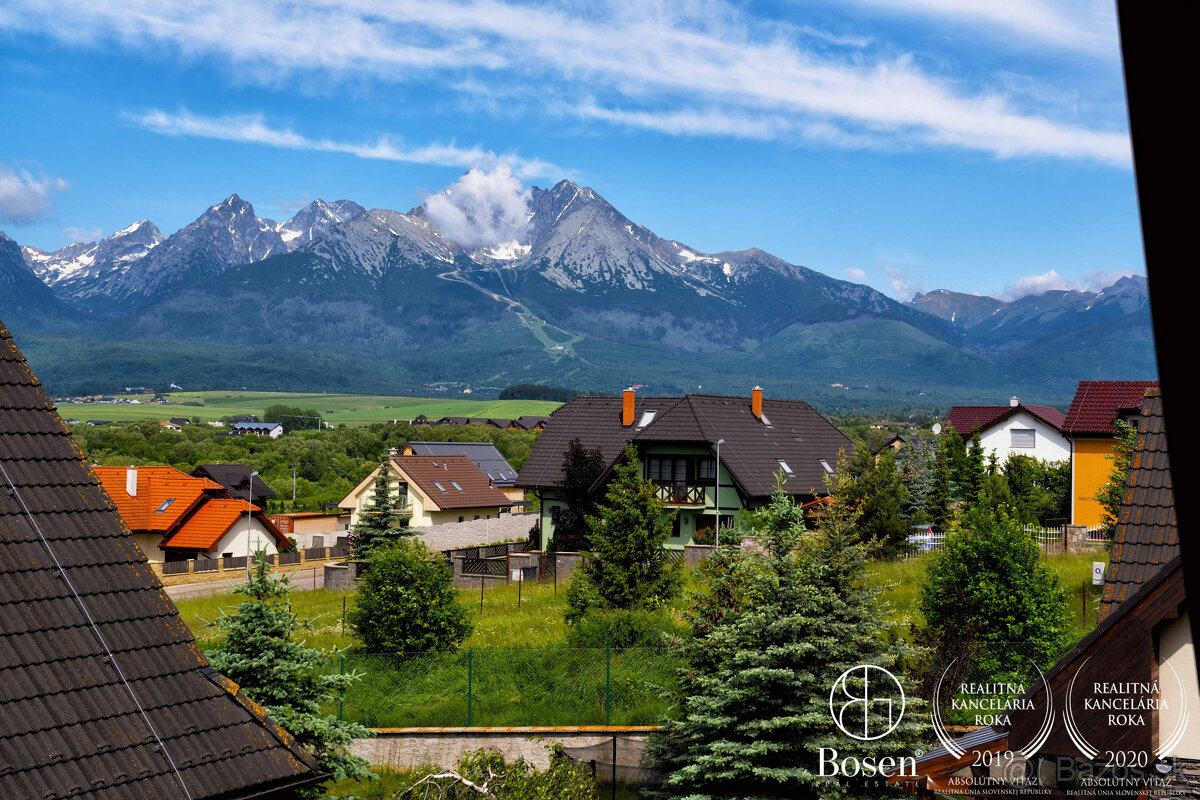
<point>620,629</point>
<point>406,602</point>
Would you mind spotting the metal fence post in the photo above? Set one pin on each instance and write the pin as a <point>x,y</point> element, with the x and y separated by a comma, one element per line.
<point>470,677</point>
<point>608,686</point>
<point>342,693</point>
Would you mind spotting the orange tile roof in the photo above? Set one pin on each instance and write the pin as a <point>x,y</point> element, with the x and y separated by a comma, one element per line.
<point>204,529</point>
<point>155,486</point>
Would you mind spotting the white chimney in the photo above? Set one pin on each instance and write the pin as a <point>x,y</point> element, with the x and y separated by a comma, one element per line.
<point>1013,401</point>
<point>131,481</point>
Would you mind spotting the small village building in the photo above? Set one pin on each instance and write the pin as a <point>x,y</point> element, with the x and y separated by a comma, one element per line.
<point>484,455</point>
<point>1089,427</point>
<point>174,516</point>
<point>677,442</point>
<point>272,429</point>
<point>434,490</point>
<point>106,693</point>
<point>236,478</point>
<point>1015,429</point>
<point>313,528</point>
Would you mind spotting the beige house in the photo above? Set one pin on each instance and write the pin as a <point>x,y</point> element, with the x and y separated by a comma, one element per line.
<point>312,528</point>
<point>434,489</point>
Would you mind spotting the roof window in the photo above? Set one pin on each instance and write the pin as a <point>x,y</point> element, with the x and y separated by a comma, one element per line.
<point>456,486</point>
<point>647,417</point>
<point>765,421</point>
<point>165,505</point>
<point>826,467</point>
<point>441,488</point>
<point>785,466</point>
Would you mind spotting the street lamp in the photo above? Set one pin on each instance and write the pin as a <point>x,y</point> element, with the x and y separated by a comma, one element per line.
<point>717,493</point>
<point>249,517</point>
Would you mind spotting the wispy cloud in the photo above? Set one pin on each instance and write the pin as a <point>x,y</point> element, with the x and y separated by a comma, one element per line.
<point>253,129</point>
<point>902,283</point>
<point>83,234</point>
<point>25,199</point>
<point>856,274</point>
<point>649,65</point>
<point>1081,26</point>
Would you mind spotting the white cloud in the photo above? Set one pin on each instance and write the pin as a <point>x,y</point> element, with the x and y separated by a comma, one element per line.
<point>902,284</point>
<point>24,198</point>
<point>1073,25</point>
<point>1050,280</point>
<point>856,274</point>
<point>84,234</point>
<point>253,129</point>
<point>481,208</point>
<point>651,64</point>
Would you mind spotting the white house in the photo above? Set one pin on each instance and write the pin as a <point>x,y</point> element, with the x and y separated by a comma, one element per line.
<point>1014,429</point>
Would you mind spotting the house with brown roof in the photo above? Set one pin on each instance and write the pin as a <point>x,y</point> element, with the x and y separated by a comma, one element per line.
<point>484,455</point>
<point>106,694</point>
<point>677,443</point>
<point>1089,428</point>
<point>174,516</point>
<point>1014,429</point>
<point>434,490</point>
<point>1130,687</point>
<point>236,478</point>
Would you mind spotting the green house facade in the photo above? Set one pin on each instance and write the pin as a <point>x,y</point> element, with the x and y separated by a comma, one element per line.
<point>677,438</point>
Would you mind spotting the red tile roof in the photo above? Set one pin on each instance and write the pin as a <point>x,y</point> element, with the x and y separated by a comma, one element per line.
<point>205,529</point>
<point>476,492</point>
<point>965,419</point>
<point>155,486</point>
<point>1097,404</point>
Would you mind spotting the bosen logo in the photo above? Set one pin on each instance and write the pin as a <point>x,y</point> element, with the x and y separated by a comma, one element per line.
<point>866,702</point>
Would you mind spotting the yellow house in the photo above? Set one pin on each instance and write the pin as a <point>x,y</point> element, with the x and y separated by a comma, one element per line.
<point>434,489</point>
<point>1089,427</point>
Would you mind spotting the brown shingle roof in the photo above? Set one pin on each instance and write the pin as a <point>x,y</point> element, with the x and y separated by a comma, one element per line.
<point>75,590</point>
<point>436,476</point>
<point>965,419</point>
<point>1097,404</point>
<point>1147,535</point>
<point>797,435</point>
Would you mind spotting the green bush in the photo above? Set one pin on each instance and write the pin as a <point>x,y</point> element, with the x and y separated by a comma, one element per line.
<point>406,602</point>
<point>621,628</point>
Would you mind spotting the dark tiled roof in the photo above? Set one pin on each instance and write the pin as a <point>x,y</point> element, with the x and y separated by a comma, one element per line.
<point>528,423</point>
<point>483,454</point>
<point>233,478</point>
<point>1146,536</point>
<point>75,588</point>
<point>965,419</point>
<point>797,435</point>
<point>1097,404</point>
<point>476,491</point>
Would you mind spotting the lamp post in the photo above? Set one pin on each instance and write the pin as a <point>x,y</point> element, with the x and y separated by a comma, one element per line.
<point>294,465</point>
<point>717,493</point>
<point>249,518</point>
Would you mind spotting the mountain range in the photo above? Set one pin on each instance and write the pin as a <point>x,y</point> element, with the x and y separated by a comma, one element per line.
<point>342,298</point>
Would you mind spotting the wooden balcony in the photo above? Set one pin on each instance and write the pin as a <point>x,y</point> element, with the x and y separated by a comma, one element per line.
<point>680,494</point>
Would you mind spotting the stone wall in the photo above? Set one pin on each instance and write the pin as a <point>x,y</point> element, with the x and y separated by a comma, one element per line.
<point>455,535</point>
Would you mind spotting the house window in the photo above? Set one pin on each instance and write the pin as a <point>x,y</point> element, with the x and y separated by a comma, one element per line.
<point>456,486</point>
<point>460,519</point>
<point>647,417</point>
<point>784,466</point>
<point>476,516</point>
<point>825,466</point>
<point>706,469</point>
<point>667,469</point>
<point>441,488</point>
<point>165,505</point>
<point>1023,438</point>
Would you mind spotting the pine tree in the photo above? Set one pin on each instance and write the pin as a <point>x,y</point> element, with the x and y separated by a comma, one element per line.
<point>955,451</point>
<point>628,567</point>
<point>917,464</point>
<point>381,522</point>
<point>772,633</point>
<point>973,471</point>
<point>260,654</point>
<point>881,497</point>
<point>941,491</point>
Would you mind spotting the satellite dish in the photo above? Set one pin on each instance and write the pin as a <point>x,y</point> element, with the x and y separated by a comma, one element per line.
<point>937,429</point>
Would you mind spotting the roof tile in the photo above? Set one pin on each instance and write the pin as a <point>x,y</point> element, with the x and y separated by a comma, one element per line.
<point>1097,404</point>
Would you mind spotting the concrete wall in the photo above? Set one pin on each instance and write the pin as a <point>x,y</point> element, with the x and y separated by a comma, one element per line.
<point>442,747</point>
<point>454,535</point>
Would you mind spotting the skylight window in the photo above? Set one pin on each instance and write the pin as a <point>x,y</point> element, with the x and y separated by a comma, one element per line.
<point>165,505</point>
<point>456,486</point>
<point>441,488</point>
<point>765,421</point>
<point>826,467</point>
<point>647,417</point>
<point>785,466</point>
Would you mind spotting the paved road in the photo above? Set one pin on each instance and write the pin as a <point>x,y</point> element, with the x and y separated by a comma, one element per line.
<point>302,580</point>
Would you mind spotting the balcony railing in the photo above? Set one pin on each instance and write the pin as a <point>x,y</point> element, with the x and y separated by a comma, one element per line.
<point>680,494</point>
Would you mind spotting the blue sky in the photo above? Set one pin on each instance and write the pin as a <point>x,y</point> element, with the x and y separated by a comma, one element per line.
<point>908,144</point>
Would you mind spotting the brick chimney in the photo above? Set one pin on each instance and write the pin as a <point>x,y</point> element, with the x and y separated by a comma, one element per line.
<point>756,401</point>
<point>1013,401</point>
<point>627,398</point>
<point>131,481</point>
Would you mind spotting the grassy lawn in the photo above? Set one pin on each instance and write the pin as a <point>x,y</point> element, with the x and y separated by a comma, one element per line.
<point>349,409</point>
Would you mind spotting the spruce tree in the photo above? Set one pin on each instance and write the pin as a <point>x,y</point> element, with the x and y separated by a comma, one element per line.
<point>581,468</point>
<point>973,470</point>
<point>941,491</point>
<point>380,523</point>
<point>261,655</point>
<point>628,567</point>
<point>772,633</point>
